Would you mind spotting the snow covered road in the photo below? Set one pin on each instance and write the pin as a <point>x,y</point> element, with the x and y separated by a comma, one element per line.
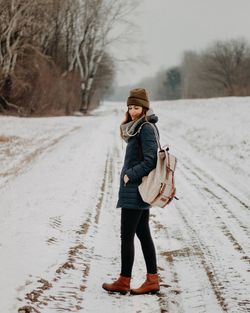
<point>59,228</point>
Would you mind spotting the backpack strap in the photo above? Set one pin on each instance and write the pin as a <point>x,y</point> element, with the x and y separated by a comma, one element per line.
<point>155,131</point>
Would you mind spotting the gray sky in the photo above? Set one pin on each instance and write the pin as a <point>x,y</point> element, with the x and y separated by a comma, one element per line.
<point>169,27</point>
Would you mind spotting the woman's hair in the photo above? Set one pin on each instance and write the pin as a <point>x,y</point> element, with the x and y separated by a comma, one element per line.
<point>128,118</point>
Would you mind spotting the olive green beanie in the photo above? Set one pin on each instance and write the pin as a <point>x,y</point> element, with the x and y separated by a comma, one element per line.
<point>138,96</point>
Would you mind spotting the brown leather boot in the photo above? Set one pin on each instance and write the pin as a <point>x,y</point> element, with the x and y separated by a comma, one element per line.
<point>121,285</point>
<point>151,285</point>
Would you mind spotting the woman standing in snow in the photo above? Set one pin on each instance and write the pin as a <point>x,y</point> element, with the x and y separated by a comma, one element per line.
<point>140,159</point>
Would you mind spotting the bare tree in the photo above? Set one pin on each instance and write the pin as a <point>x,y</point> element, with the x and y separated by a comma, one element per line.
<point>103,82</point>
<point>96,20</point>
<point>226,66</point>
<point>74,35</point>
<point>221,70</point>
<point>21,22</point>
<point>190,68</point>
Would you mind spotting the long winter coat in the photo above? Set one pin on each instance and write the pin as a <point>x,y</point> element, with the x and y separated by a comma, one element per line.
<point>140,159</point>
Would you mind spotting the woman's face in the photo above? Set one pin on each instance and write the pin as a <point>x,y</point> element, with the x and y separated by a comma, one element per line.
<point>135,111</point>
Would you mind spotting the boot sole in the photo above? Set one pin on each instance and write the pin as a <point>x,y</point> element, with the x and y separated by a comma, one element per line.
<point>123,293</point>
<point>151,292</point>
<point>116,291</point>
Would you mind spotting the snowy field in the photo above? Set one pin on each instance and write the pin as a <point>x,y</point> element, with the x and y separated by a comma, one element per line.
<point>59,228</point>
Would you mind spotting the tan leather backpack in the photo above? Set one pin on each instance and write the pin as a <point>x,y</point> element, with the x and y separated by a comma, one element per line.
<point>158,188</point>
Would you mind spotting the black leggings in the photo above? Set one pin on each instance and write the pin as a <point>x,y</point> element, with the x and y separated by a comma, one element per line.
<point>135,221</point>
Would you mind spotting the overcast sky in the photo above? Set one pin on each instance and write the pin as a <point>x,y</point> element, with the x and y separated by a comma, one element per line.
<point>169,27</point>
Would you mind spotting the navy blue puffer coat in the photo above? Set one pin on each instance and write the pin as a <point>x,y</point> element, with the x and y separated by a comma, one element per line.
<point>140,159</point>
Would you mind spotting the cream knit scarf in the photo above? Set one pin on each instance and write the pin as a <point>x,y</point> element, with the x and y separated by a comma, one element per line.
<point>128,129</point>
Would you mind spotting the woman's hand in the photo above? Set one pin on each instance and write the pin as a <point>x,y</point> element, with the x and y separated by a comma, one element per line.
<point>126,179</point>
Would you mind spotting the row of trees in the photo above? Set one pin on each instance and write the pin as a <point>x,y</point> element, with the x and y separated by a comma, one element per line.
<point>223,69</point>
<point>54,54</point>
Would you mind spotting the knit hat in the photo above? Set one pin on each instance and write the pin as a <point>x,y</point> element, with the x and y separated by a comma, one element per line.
<point>138,96</point>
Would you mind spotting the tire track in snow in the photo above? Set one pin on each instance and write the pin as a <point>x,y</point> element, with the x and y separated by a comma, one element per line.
<point>22,165</point>
<point>170,295</point>
<point>65,291</point>
<point>202,172</point>
<point>228,277</point>
<point>226,200</point>
<point>215,203</point>
<point>208,270</point>
<point>207,207</point>
<point>229,285</point>
<point>205,179</point>
<point>184,269</point>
